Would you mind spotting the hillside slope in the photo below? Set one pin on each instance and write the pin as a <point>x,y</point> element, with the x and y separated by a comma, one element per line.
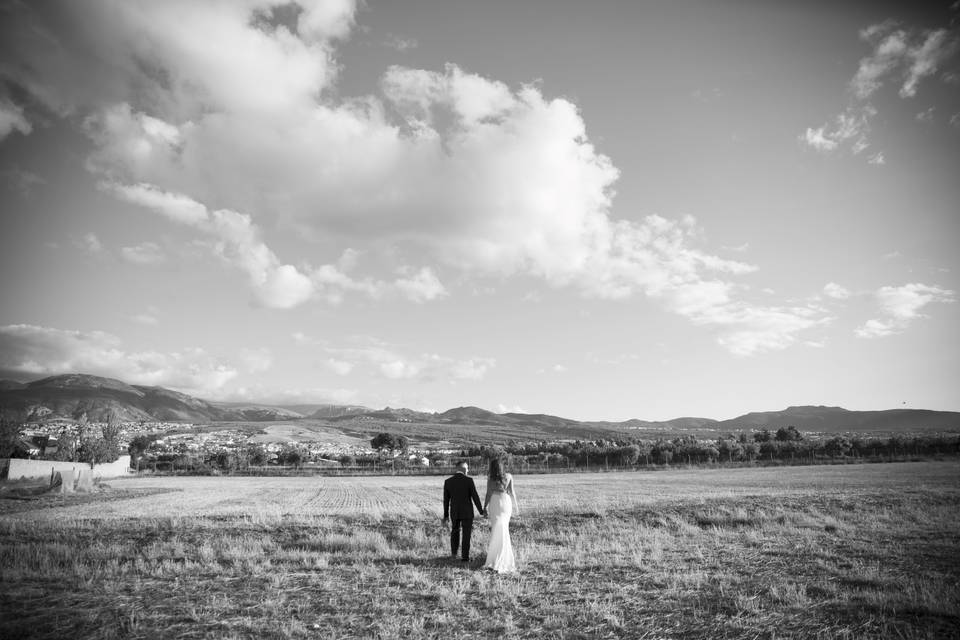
<point>838,419</point>
<point>71,395</point>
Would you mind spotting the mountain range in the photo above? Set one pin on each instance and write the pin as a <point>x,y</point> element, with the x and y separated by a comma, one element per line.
<point>71,395</point>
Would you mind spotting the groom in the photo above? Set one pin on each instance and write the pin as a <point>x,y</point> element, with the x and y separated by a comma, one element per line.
<point>458,491</point>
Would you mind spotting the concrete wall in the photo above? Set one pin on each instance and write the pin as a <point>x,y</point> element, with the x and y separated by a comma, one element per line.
<point>18,469</point>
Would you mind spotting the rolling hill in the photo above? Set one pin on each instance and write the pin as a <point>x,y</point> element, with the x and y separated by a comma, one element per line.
<point>71,395</point>
<point>838,419</point>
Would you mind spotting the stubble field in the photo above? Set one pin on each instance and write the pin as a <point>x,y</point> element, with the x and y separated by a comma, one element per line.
<point>852,551</point>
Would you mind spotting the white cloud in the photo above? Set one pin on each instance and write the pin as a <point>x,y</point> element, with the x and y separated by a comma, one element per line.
<point>218,103</point>
<point>177,207</point>
<point>819,139</point>
<point>899,55</point>
<point>144,253</point>
<point>38,351</point>
<point>400,369</point>
<point>851,126</point>
<point>900,306</point>
<point>385,360</point>
<point>502,408</point>
<point>421,286</point>
<point>148,318</point>
<point>256,360</point>
<point>754,330</point>
<point>89,242</point>
<point>285,396</point>
<point>924,59</point>
<point>12,119</point>
<point>339,367</point>
<point>834,290</point>
<point>472,369</point>
<point>236,240</point>
<point>401,44</point>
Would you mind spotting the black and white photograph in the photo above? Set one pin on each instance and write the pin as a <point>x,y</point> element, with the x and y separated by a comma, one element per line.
<point>506,319</point>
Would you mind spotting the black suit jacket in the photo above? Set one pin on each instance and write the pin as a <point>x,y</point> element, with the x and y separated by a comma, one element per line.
<point>458,492</point>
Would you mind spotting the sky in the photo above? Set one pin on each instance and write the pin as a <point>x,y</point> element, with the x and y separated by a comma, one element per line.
<point>604,210</point>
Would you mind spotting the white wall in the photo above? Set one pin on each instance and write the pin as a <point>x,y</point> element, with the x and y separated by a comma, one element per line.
<point>40,469</point>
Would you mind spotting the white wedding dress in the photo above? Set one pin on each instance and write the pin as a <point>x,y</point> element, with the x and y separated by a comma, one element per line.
<point>500,556</point>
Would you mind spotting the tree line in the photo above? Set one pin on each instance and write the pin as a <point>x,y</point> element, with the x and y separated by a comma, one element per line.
<point>784,444</point>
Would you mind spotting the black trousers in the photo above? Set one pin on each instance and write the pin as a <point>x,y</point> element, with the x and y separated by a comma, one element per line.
<point>466,524</point>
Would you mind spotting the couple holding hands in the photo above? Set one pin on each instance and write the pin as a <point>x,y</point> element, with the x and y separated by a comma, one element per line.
<point>459,496</point>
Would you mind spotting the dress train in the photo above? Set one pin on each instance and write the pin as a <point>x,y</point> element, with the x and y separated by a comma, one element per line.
<point>500,556</point>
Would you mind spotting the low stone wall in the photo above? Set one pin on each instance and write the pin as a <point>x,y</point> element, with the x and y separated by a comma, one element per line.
<point>17,469</point>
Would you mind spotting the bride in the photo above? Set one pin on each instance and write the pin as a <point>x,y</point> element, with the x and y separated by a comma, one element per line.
<point>502,503</point>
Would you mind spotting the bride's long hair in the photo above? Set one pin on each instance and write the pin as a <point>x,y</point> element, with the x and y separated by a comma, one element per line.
<point>496,474</point>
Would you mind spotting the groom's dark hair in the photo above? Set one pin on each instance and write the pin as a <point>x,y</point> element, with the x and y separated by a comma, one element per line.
<point>462,465</point>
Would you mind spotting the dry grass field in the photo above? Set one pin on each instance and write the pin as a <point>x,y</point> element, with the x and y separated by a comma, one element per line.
<point>853,551</point>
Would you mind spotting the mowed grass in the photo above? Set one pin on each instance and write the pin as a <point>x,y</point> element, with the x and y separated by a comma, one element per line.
<point>858,551</point>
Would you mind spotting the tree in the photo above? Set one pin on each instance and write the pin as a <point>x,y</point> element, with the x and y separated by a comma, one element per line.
<point>96,450</point>
<point>788,434</point>
<point>762,436</point>
<point>225,460</point>
<point>106,447</point>
<point>138,446</point>
<point>257,456</point>
<point>67,446</point>
<point>10,427</point>
<point>389,442</point>
<point>291,456</point>
<point>837,446</point>
<point>111,431</point>
<point>628,455</point>
<point>730,448</point>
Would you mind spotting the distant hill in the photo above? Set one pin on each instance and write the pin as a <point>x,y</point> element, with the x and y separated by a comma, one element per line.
<point>329,410</point>
<point>469,415</point>
<point>838,419</point>
<point>10,385</point>
<point>71,395</point>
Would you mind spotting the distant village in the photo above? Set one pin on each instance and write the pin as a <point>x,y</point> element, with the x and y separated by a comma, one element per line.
<point>165,441</point>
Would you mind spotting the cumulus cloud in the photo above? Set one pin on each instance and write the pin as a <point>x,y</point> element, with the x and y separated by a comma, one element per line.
<point>29,350</point>
<point>236,239</point>
<point>757,329</point>
<point>900,56</point>
<point>421,286</point>
<point>836,291</point>
<point>234,105</point>
<point>900,307</point>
